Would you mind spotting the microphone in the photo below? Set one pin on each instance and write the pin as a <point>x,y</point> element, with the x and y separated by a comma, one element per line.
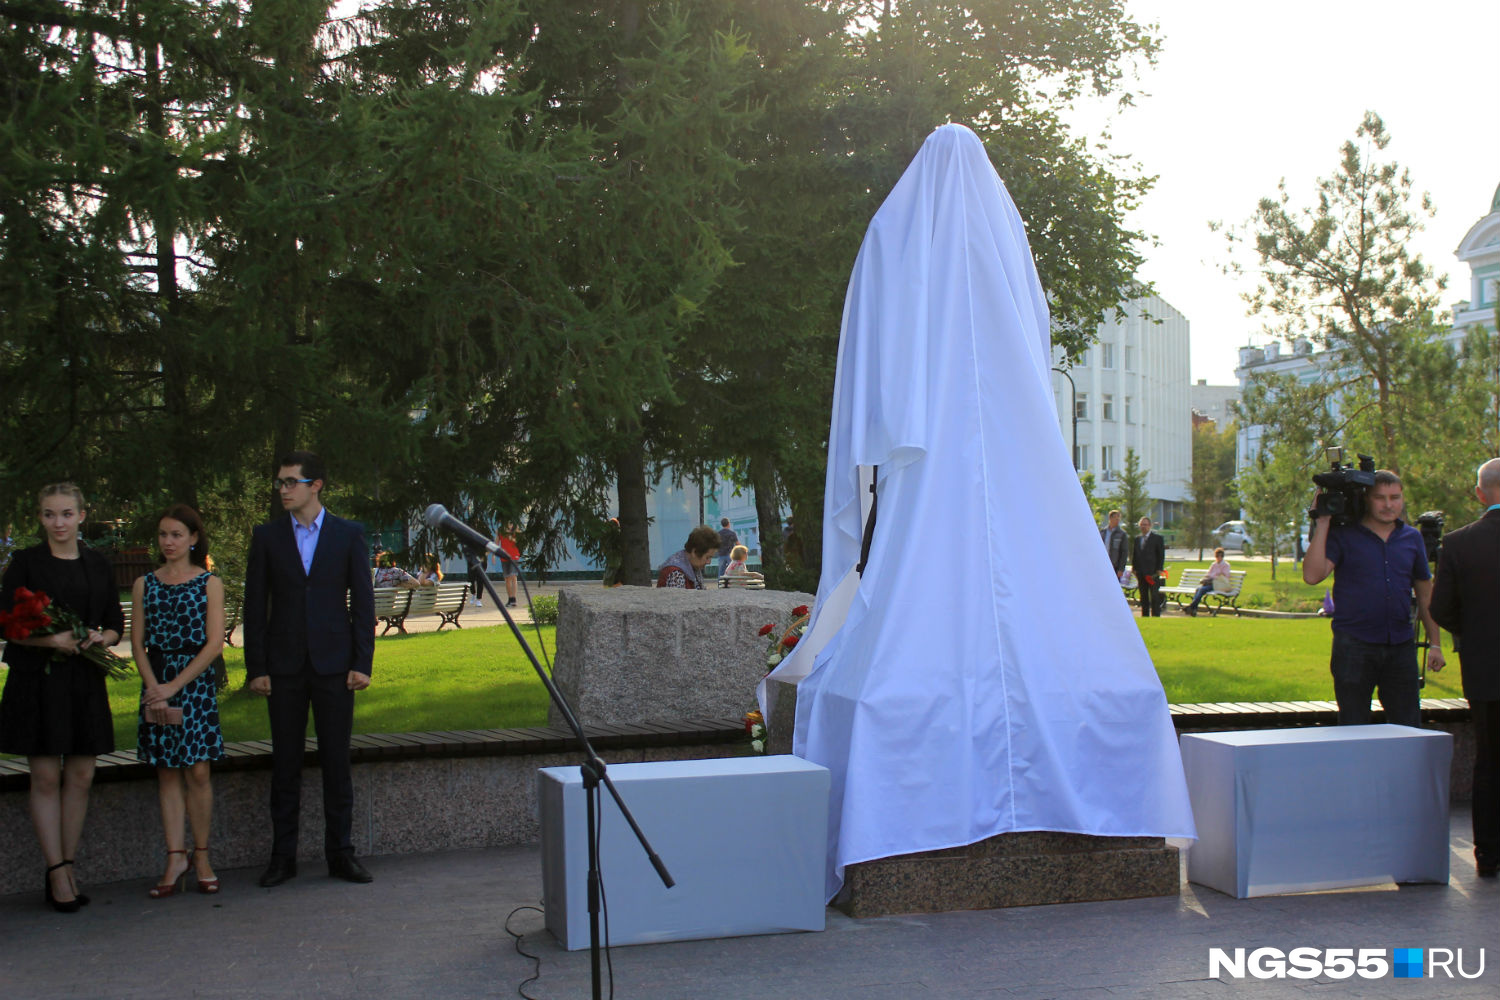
<point>437,516</point>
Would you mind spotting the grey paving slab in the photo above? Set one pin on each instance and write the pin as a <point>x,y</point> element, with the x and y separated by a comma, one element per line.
<point>432,926</point>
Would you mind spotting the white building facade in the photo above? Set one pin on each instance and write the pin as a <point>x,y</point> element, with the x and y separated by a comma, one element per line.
<point>1132,392</point>
<point>1214,402</point>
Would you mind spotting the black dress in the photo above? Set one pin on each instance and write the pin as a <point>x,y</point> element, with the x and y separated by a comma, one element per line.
<point>58,706</point>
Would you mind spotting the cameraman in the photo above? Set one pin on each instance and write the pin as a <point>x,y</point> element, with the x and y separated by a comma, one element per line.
<point>1380,561</point>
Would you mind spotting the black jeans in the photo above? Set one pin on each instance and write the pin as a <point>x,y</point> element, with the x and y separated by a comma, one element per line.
<point>1485,716</point>
<point>1360,667</point>
<point>332,706</point>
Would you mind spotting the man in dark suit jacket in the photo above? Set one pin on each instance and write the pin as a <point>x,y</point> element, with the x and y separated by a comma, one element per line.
<point>1148,556</point>
<point>309,629</point>
<point>1466,602</point>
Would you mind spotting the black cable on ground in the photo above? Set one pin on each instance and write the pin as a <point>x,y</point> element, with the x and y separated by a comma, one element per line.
<point>536,961</point>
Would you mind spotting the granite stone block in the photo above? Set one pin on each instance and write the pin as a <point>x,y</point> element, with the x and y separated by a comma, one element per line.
<point>639,654</point>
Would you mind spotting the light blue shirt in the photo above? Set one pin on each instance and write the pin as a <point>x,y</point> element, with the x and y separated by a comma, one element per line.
<point>307,538</point>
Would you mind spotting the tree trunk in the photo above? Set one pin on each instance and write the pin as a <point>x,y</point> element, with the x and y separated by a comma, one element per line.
<point>768,516</point>
<point>181,477</point>
<point>630,485</point>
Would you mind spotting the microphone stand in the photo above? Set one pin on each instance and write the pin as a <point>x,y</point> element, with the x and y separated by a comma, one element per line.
<point>592,769</point>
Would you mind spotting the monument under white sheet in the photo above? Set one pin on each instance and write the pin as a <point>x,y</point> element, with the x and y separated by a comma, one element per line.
<point>984,675</point>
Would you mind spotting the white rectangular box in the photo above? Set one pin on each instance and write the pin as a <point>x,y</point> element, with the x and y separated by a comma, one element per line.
<point>744,838</point>
<point>1291,810</point>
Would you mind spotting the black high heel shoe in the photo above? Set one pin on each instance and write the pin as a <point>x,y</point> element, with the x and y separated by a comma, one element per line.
<point>60,905</point>
<point>82,897</point>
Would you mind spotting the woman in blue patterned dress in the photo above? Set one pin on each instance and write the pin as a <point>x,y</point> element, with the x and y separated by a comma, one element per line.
<point>177,634</point>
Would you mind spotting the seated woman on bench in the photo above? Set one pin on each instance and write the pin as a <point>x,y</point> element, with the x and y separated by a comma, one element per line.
<point>388,574</point>
<point>1220,568</point>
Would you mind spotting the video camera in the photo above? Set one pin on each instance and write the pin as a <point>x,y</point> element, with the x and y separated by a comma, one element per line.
<point>1430,524</point>
<point>1342,499</point>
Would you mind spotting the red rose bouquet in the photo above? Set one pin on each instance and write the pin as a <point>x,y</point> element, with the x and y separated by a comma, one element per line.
<point>34,614</point>
<point>784,638</point>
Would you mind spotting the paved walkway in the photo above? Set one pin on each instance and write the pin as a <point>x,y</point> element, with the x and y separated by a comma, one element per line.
<point>432,926</point>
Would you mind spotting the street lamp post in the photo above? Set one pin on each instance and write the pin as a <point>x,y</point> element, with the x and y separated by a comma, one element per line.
<point>1073,405</point>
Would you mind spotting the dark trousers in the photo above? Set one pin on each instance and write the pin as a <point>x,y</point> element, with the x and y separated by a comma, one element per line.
<point>1360,667</point>
<point>1151,598</point>
<point>332,706</point>
<point>1485,716</point>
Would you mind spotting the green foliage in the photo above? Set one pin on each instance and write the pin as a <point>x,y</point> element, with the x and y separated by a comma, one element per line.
<point>544,609</point>
<point>509,258</point>
<point>1341,273</point>
<point>1211,493</point>
<point>1131,498</point>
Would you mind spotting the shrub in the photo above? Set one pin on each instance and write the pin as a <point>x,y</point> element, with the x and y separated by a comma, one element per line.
<point>544,609</point>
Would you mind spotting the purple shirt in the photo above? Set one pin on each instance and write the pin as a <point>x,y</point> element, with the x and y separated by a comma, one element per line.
<point>1373,581</point>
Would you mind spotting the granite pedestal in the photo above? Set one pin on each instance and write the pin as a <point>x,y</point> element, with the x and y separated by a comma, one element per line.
<point>1012,869</point>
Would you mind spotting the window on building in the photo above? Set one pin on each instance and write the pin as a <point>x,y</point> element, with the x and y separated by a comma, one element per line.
<point>1107,406</point>
<point>1129,410</point>
<point>1081,406</point>
<point>1129,358</point>
<point>1107,457</point>
<point>1107,355</point>
<point>1081,456</point>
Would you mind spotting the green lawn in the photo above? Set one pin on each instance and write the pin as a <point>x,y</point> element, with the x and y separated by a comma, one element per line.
<point>1286,593</point>
<point>474,678</point>
<point>477,678</point>
<point>1254,659</point>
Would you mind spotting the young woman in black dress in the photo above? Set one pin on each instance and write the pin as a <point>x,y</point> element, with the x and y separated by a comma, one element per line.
<point>178,631</point>
<point>55,709</point>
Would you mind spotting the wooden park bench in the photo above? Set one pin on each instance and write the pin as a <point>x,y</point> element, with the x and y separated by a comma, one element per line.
<point>742,582</point>
<point>394,605</point>
<point>1192,579</point>
<point>391,606</point>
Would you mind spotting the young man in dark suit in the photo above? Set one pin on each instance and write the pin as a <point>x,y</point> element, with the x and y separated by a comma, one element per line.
<point>1148,557</point>
<point>1466,602</point>
<point>309,630</point>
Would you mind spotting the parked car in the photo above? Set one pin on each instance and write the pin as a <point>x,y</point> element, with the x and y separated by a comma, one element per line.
<point>1233,535</point>
<point>1236,535</point>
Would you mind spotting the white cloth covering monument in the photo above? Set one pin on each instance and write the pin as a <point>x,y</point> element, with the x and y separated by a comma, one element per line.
<point>983,675</point>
